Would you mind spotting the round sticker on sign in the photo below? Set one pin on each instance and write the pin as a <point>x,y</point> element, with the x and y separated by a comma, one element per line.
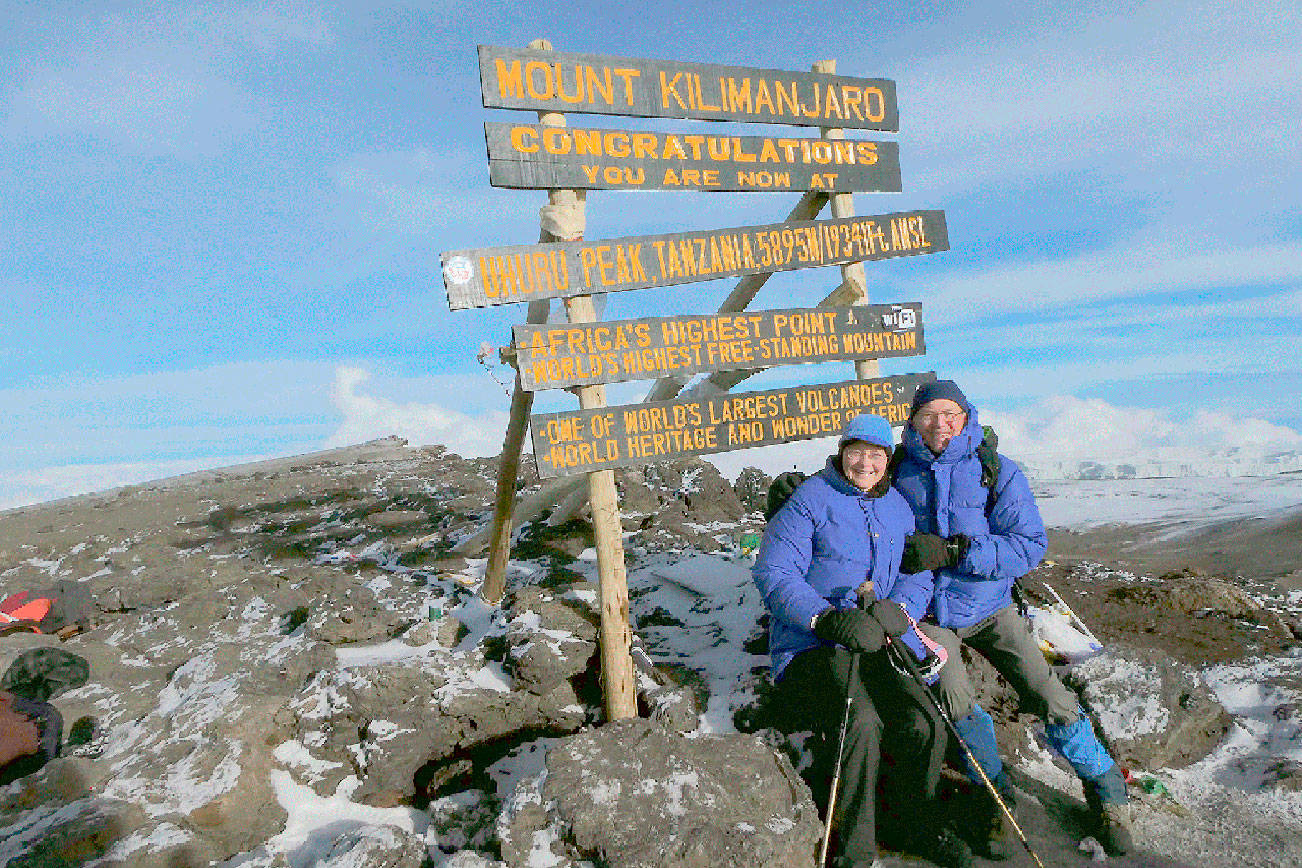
<point>458,270</point>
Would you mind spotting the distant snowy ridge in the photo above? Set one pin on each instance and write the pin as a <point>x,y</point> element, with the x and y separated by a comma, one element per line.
<point>1161,463</point>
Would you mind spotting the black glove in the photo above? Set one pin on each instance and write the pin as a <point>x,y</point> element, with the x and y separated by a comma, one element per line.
<point>891,616</point>
<point>780,489</point>
<point>926,551</point>
<point>987,453</point>
<point>923,551</point>
<point>856,629</point>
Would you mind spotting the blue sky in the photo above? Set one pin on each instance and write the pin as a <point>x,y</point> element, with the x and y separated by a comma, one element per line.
<point>221,222</point>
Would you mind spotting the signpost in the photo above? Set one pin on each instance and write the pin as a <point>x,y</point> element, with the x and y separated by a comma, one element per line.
<point>585,440</point>
<point>559,356</point>
<point>512,78</point>
<point>488,276</point>
<point>531,156</point>
<point>584,353</point>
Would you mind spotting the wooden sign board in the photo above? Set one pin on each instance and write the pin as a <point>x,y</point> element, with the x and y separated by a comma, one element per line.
<point>514,78</point>
<point>558,356</point>
<point>533,156</point>
<point>526,272</point>
<point>602,438</point>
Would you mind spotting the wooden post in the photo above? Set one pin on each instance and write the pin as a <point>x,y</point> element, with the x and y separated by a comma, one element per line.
<point>619,687</point>
<point>508,470</point>
<point>852,273</point>
<point>508,465</point>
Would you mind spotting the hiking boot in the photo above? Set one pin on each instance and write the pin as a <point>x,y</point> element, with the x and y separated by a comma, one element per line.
<point>943,847</point>
<point>1113,829</point>
<point>1110,811</point>
<point>994,838</point>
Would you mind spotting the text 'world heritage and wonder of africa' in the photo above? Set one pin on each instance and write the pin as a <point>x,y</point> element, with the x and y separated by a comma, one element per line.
<point>606,437</point>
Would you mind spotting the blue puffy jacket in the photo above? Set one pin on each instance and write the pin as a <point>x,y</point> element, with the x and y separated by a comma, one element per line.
<point>948,498</point>
<point>820,547</point>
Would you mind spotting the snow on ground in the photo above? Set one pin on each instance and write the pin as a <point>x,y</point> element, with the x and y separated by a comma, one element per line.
<point>718,606</point>
<point>699,610</point>
<point>1084,504</point>
<point>1265,740</point>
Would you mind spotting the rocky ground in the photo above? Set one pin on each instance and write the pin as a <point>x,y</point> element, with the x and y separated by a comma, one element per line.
<point>290,667</point>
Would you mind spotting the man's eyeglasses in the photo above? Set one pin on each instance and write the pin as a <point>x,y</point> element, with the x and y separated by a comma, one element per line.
<point>930,417</point>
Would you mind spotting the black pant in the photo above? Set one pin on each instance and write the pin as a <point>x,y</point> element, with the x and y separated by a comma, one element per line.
<point>893,731</point>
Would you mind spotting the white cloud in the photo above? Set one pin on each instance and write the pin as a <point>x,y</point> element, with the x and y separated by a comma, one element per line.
<point>367,417</point>
<point>165,83</point>
<point>1060,432</point>
<point>43,484</point>
<point>1132,94</point>
<point>1116,273</point>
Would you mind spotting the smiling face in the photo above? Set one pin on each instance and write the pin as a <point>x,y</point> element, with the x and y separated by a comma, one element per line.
<point>863,463</point>
<point>937,422</point>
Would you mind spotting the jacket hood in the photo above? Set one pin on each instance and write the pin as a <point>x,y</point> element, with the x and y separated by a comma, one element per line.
<point>964,443</point>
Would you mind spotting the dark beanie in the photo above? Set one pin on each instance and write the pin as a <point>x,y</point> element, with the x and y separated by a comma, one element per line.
<point>938,390</point>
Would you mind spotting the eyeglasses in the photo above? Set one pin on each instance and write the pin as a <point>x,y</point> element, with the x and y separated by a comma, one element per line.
<point>930,417</point>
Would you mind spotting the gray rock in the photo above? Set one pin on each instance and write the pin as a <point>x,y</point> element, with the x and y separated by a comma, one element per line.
<point>550,640</point>
<point>376,847</point>
<point>1153,712</point>
<point>674,708</point>
<point>752,489</point>
<point>351,614</point>
<point>633,794</point>
<point>385,722</point>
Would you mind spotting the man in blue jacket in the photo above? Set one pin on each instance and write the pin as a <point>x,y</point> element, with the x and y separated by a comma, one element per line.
<point>828,571</point>
<point>979,536</point>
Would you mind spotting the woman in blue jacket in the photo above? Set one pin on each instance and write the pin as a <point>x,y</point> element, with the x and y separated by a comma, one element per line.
<point>828,572</point>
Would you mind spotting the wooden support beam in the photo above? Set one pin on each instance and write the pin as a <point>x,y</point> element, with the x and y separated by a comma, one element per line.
<point>508,471</point>
<point>852,273</point>
<point>571,204</point>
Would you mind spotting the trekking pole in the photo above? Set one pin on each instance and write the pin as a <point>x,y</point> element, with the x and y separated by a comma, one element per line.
<point>840,751</point>
<point>905,658</point>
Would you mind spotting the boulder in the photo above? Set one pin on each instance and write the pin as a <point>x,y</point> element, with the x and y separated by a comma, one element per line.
<point>1151,711</point>
<point>634,794</point>
<point>376,847</point>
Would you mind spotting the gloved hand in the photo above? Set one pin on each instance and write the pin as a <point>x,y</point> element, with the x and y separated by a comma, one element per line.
<point>856,629</point>
<point>780,490</point>
<point>891,616</point>
<point>930,668</point>
<point>926,551</point>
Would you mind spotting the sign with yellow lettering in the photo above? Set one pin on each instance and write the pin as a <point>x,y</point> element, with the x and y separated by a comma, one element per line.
<point>525,272</point>
<point>533,156</point>
<point>605,437</point>
<point>555,356</point>
<point>515,78</point>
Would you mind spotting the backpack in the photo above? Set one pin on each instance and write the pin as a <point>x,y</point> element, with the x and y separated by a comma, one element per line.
<point>63,610</point>
<point>785,484</point>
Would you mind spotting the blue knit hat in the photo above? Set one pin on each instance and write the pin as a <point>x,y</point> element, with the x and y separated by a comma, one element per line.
<point>936,391</point>
<point>870,428</point>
